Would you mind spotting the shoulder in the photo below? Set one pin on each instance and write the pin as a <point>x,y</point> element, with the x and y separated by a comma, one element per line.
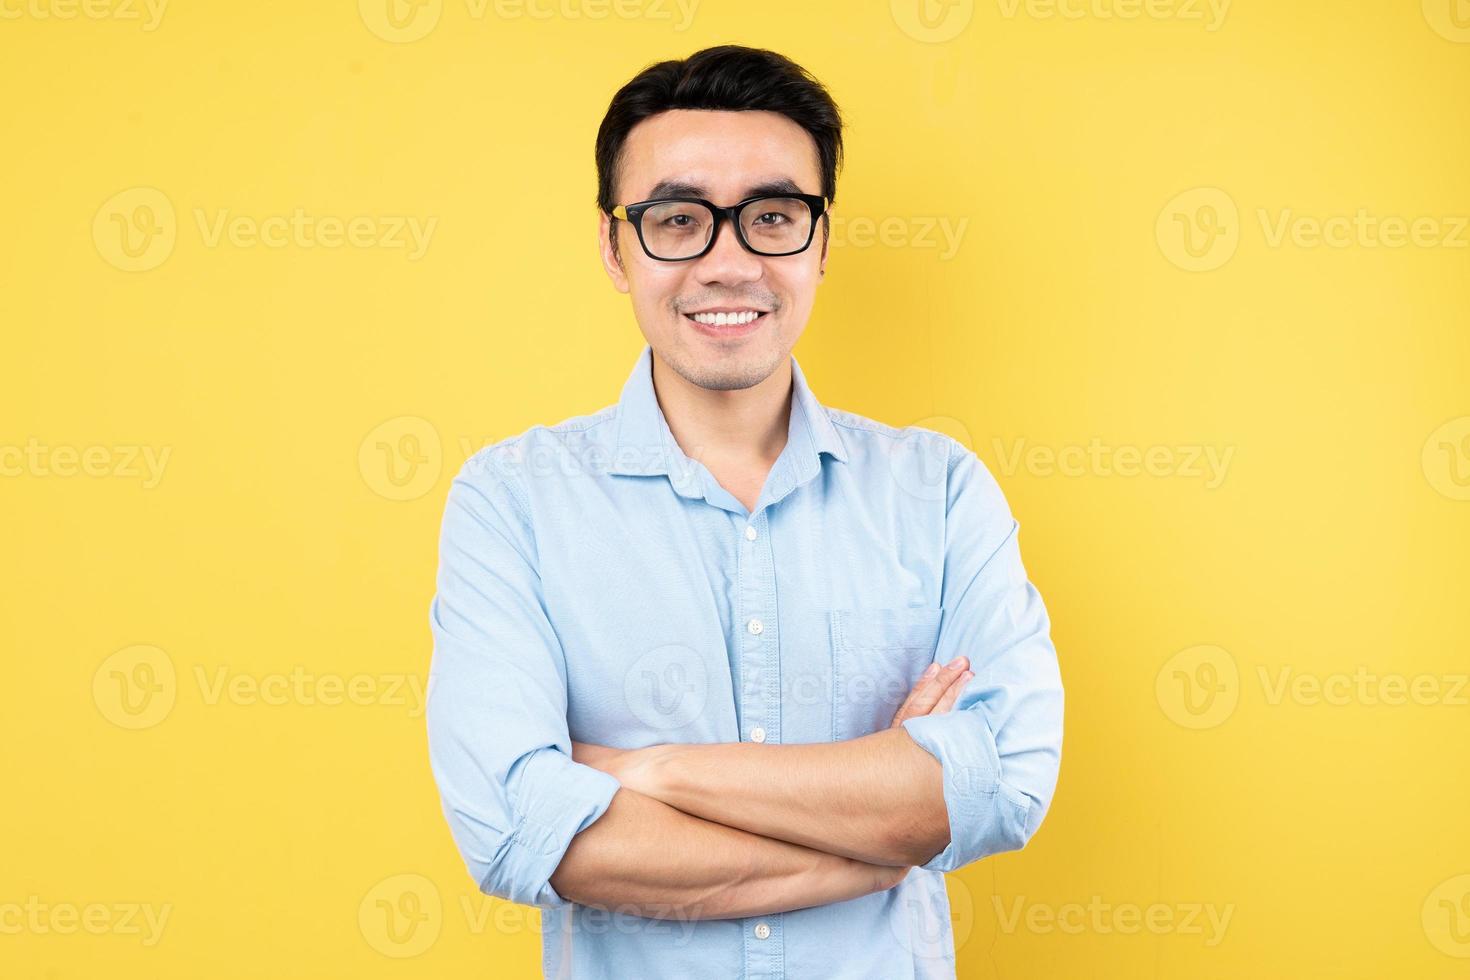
<point>924,444</point>
<point>540,450</point>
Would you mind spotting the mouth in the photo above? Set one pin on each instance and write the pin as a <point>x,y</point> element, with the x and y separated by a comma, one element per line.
<point>732,322</point>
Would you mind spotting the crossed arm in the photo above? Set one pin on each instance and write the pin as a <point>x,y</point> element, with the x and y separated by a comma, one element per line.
<point>736,829</point>
<point>731,830</point>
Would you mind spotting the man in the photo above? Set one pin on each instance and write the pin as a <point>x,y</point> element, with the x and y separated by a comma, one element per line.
<point>679,696</point>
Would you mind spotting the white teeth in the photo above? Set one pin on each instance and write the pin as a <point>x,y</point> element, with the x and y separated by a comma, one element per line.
<point>726,319</point>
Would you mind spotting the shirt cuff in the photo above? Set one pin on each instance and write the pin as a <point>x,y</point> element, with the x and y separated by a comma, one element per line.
<point>986,816</point>
<point>557,798</point>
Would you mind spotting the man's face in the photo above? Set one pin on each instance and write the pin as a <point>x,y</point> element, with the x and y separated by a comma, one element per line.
<point>722,157</point>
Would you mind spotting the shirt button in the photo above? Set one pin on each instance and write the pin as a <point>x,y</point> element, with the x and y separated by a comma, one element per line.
<point>762,931</point>
<point>750,532</point>
<point>755,626</point>
<point>757,734</point>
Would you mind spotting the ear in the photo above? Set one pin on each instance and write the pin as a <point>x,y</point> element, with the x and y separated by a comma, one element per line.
<point>612,259</point>
<point>826,238</point>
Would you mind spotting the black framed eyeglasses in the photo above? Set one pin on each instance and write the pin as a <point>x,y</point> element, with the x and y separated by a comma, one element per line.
<point>677,229</point>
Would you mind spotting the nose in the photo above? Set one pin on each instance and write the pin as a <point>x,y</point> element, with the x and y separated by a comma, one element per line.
<point>728,261</point>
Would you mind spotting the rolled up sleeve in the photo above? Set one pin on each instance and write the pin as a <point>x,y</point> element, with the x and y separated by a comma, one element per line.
<point>499,745</point>
<point>1000,746</point>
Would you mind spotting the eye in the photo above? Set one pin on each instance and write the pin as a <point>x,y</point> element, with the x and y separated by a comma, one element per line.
<point>678,221</point>
<point>771,214</point>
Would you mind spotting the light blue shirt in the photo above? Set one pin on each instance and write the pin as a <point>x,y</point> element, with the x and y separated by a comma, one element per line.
<point>597,584</point>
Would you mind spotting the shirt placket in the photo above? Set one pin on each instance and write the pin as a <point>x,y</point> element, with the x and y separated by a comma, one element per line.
<point>760,705</point>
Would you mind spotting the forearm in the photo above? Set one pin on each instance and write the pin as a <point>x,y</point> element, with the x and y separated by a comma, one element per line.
<point>648,858</point>
<point>877,799</point>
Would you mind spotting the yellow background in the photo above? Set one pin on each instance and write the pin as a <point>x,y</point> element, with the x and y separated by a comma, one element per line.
<point>277,835</point>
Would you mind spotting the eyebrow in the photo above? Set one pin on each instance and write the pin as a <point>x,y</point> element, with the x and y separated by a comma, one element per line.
<point>681,188</point>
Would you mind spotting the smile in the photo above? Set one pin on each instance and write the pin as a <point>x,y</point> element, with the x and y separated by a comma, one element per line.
<point>726,318</point>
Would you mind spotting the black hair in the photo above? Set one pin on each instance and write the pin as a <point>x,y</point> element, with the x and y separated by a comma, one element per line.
<point>728,77</point>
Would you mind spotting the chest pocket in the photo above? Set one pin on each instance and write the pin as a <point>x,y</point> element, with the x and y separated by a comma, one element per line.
<point>877,656</point>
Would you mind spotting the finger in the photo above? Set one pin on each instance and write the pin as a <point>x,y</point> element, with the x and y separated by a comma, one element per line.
<point>903,709</point>
<point>927,692</point>
<point>947,700</point>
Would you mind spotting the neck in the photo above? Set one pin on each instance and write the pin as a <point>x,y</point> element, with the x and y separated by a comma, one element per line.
<point>744,425</point>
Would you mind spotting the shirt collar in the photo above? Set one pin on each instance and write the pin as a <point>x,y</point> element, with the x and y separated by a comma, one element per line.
<point>646,446</point>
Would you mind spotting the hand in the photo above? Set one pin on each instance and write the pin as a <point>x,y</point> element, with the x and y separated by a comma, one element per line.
<point>936,690</point>
<point>887,876</point>
<point>631,767</point>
